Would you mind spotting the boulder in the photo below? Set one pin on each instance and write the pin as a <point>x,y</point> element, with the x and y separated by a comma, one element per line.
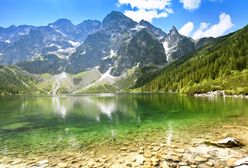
<point>226,143</point>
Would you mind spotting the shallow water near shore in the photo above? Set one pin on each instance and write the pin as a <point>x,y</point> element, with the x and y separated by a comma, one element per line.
<point>102,124</point>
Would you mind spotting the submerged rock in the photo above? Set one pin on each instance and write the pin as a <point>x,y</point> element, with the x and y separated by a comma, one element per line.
<point>201,159</point>
<point>42,162</point>
<point>16,126</point>
<point>62,165</point>
<point>230,142</point>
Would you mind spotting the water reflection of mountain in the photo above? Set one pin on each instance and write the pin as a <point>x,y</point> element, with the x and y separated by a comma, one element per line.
<point>90,107</point>
<point>127,108</point>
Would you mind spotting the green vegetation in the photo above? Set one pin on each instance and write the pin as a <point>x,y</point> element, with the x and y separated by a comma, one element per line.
<point>13,80</point>
<point>101,88</point>
<point>220,66</point>
<point>46,75</point>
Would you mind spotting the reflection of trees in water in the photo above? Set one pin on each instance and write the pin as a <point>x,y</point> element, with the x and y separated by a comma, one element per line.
<point>121,109</point>
<point>175,106</point>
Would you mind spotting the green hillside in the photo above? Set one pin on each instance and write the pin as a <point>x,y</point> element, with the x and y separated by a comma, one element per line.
<point>222,65</point>
<point>13,80</point>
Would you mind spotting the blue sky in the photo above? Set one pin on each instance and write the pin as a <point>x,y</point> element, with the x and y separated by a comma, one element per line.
<point>196,18</point>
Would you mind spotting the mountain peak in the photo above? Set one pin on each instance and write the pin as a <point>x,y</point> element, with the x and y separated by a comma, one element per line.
<point>117,20</point>
<point>90,22</point>
<point>62,21</point>
<point>144,22</point>
<point>11,27</point>
<point>154,30</point>
<point>174,30</point>
<point>115,15</point>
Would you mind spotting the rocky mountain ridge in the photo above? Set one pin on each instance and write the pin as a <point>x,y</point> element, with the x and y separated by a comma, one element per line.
<point>118,43</point>
<point>125,53</point>
<point>27,43</point>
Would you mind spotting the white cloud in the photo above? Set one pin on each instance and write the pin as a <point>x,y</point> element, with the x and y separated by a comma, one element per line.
<point>147,9</point>
<point>169,10</point>
<point>187,29</point>
<point>143,14</point>
<point>146,4</point>
<point>191,4</point>
<point>199,33</point>
<point>225,23</point>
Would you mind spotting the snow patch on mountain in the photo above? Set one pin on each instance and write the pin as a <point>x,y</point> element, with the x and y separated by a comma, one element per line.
<point>83,53</point>
<point>63,53</point>
<point>167,50</point>
<point>61,33</point>
<point>53,45</point>
<point>22,34</point>
<point>112,54</point>
<point>138,28</point>
<point>74,43</point>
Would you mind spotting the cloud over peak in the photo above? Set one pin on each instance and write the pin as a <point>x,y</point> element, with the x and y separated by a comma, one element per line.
<point>147,9</point>
<point>218,29</point>
<point>207,30</point>
<point>146,4</point>
<point>187,29</point>
<point>191,4</point>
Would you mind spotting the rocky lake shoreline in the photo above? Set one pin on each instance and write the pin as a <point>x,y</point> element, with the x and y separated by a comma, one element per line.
<point>212,94</point>
<point>181,152</point>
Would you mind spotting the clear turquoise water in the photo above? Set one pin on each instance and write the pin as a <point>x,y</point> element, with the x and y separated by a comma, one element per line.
<point>33,125</point>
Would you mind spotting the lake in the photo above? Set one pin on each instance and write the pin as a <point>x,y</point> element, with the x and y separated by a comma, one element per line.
<point>32,126</point>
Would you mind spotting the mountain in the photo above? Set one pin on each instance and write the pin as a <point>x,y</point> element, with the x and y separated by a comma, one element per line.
<point>222,65</point>
<point>63,38</point>
<point>48,64</point>
<point>177,45</point>
<point>73,32</point>
<point>117,22</point>
<point>13,33</point>
<point>118,46</point>
<point>36,43</point>
<point>121,44</point>
<point>125,53</point>
<point>152,29</point>
<point>26,43</point>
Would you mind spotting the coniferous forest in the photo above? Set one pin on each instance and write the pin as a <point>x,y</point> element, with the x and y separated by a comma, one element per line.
<point>222,65</point>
